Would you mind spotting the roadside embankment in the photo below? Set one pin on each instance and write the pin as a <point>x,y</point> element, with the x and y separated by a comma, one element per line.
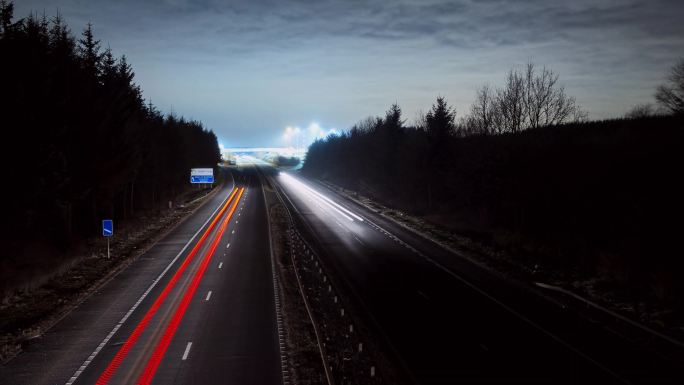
<point>27,314</point>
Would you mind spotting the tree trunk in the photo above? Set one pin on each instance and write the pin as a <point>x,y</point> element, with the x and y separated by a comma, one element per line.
<point>132,197</point>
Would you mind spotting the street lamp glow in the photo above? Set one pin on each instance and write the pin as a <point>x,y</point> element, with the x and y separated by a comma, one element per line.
<point>314,129</point>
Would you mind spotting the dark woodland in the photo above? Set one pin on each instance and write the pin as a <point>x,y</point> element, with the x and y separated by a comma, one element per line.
<point>594,198</point>
<point>80,144</point>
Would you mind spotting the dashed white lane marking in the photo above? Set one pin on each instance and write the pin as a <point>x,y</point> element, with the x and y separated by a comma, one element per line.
<point>104,342</point>
<point>208,296</point>
<point>220,265</point>
<point>187,351</point>
<point>233,232</point>
<point>228,245</point>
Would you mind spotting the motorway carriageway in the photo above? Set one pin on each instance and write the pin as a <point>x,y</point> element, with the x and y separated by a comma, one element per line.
<point>204,314</point>
<point>448,320</point>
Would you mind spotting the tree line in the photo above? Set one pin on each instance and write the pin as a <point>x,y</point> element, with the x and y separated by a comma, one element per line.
<point>80,142</point>
<point>525,169</point>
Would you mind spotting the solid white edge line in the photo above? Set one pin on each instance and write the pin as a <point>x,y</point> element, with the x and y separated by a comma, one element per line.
<point>187,351</point>
<point>491,298</point>
<point>104,342</point>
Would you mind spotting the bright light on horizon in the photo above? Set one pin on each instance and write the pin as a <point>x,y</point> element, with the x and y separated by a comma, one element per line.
<point>314,129</point>
<point>294,136</point>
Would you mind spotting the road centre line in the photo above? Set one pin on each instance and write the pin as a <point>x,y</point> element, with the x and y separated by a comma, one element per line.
<point>187,351</point>
<point>104,342</point>
<point>162,345</point>
<point>132,339</point>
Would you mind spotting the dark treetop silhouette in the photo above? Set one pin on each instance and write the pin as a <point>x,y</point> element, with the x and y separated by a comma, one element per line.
<point>585,199</point>
<point>79,141</point>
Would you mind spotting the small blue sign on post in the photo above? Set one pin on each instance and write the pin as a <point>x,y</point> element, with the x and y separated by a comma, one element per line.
<point>107,231</point>
<point>107,228</point>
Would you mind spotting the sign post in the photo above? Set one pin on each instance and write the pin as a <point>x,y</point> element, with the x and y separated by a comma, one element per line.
<point>107,231</point>
<point>202,175</point>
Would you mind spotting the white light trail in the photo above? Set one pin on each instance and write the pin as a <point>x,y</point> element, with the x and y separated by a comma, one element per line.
<point>322,198</point>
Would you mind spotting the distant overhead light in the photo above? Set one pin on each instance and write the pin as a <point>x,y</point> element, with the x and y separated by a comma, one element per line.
<point>314,128</point>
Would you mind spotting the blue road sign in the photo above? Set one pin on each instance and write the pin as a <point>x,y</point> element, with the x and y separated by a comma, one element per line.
<point>201,175</point>
<point>107,228</point>
<point>201,179</point>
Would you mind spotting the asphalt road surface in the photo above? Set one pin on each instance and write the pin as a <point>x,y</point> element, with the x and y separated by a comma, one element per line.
<point>450,321</point>
<point>197,308</point>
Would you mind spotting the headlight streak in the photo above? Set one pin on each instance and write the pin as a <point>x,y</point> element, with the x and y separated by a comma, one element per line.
<point>315,199</point>
<point>327,201</point>
<point>323,205</point>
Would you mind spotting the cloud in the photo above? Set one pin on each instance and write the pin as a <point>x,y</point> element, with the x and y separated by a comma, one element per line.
<point>249,68</point>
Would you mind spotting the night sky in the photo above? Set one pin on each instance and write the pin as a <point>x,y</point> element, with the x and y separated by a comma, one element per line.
<point>249,69</point>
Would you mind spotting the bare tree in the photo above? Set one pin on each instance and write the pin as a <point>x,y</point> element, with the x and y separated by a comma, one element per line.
<point>529,99</point>
<point>482,113</point>
<point>671,95</point>
<point>510,102</point>
<point>545,101</point>
<point>579,116</point>
<point>368,124</point>
<point>640,111</point>
<point>419,121</point>
<point>6,15</point>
